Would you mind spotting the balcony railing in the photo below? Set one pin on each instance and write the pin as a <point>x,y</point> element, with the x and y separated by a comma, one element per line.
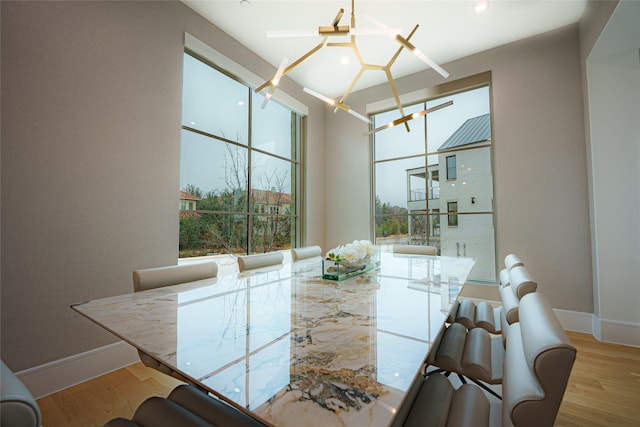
<point>421,194</point>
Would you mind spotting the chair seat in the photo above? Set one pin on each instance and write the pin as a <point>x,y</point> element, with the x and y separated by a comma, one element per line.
<point>475,354</point>
<point>438,403</point>
<point>477,315</point>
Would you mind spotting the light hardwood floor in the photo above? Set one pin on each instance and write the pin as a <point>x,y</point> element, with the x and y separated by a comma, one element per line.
<point>604,390</point>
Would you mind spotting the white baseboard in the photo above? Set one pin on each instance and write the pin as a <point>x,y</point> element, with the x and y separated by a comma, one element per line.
<point>575,321</point>
<point>57,375</point>
<point>612,331</point>
<point>615,331</point>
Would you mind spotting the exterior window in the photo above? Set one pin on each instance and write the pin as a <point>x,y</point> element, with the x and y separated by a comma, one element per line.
<point>451,167</point>
<point>236,158</point>
<point>425,180</point>
<point>452,220</point>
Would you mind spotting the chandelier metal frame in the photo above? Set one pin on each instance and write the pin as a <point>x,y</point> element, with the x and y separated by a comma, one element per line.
<point>326,32</point>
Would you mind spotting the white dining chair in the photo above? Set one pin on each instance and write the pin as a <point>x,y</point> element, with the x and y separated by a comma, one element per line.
<point>152,278</point>
<point>251,262</point>
<point>415,250</point>
<point>298,254</point>
<point>158,277</point>
<point>510,261</point>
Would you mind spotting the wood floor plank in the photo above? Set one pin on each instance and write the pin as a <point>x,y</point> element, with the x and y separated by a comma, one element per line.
<point>603,391</point>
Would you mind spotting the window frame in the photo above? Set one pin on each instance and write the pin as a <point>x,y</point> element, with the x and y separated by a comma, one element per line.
<point>452,170</point>
<point>298,131</point>
<point>426,95</point>
<point>452,220</point>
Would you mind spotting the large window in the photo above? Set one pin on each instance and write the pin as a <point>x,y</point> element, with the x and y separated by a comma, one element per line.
<point>434,184</point>
<point>238,166</point>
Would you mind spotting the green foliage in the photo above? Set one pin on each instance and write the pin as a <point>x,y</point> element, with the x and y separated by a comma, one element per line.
<point>216,228</point>
<point>390,220</point>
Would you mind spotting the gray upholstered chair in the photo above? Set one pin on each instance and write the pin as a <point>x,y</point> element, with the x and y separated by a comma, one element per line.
<point>494,318</point>
<point>472,354</point>
<point>18,408</point>
<point>152,278</point>
<point>186,407</point>
<point>538,363</point>
<point>298,254</point>
<point>252,262</point>
<point>510,261</point>
<point>415,250</point>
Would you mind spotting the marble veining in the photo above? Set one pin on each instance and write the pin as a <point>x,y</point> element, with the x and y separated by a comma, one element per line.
<point>291,348</point>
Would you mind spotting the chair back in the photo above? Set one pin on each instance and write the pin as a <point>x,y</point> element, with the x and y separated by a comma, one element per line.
<point>539,359</point>
<point>415,250</point>
<point>298,254</point>
<point>152,278</point>
<point>512,260</point>
<point>521,282</point>
<point>17,406</point>
<point>251,262</point>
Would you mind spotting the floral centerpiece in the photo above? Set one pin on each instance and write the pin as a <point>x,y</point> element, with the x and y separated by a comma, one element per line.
<point>351,259</point>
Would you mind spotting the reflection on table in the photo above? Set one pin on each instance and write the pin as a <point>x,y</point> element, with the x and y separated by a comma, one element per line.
<point>291,348</point>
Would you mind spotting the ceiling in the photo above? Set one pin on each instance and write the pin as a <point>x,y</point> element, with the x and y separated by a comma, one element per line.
<point>448,30</point>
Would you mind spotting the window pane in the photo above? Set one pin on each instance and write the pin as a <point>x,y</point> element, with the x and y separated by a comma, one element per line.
<point>273,128</point>
<point>472,238</point>
<point>215,172</point>
<point>451,167</point>
<point>442,124</point>
<point>272,233</point>
<point>209,234</point>
<point>272,198</point>
<point>397,182</point>
<point>213,102</point>
<point>424,230</point>
<point>271,179</point>
<point>396,141</point>
<point>452,220</point>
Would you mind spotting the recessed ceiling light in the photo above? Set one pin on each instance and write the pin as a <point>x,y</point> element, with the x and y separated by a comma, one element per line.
<point>245,3</point>
<point>240,103</point>
<point>192,123</point>
<point>344,60</point>
<point>481,6</point>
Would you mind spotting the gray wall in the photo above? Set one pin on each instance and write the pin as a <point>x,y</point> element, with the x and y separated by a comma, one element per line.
<point>541,198</point>
<point>91,106</point>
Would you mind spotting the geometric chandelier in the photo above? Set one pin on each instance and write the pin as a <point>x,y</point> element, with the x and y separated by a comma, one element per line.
<point>335,29</point>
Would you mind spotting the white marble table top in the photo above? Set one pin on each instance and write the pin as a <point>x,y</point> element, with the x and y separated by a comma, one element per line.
<point>291,348</point>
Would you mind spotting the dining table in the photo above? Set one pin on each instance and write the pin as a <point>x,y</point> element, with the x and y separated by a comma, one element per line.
<point>291,348</point>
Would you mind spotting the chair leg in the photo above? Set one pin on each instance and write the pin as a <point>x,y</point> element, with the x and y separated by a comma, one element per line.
<point>435,371</point>
<point>487,388</point>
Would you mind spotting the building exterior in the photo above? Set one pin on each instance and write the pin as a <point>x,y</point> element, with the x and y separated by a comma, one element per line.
<point>188,202</point>
<point>457,195</point>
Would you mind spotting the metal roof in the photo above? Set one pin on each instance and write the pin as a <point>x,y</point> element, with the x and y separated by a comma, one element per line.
<point>473,130</point>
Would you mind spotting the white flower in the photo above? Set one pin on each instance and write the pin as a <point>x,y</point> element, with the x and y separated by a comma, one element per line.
<point>351,252</point>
